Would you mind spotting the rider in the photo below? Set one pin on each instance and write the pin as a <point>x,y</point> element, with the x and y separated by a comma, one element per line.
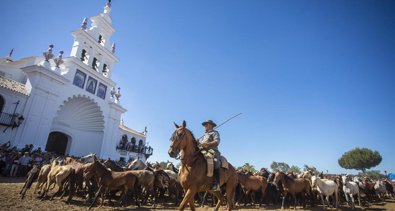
<point>210,143</point>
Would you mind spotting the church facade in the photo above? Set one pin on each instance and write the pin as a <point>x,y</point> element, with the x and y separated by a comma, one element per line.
<point>69,105</point>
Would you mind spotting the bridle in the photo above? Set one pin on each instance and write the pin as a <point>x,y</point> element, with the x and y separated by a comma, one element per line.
<point>177,138</point>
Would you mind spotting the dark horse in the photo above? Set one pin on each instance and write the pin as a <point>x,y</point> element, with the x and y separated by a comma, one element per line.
<point>292,186</point>
<point>193,172</point>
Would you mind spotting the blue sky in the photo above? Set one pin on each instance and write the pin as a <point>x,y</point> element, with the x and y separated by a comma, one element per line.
<point>313,79</point>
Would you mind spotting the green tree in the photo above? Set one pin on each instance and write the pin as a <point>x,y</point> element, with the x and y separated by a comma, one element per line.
<point>360,159</point>
<point>247,167</point>
<point>312,169</point>
<point>294,169</point>
<point>373,174</point>
<point>163,165</point>
<point>279,166</point>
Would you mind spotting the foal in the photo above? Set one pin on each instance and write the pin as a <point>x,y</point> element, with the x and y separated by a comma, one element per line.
<point>292,186</point>
<point>252,183</point>
<point>110,180</point>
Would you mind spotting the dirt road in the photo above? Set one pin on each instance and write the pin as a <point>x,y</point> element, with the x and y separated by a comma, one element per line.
<point>10,200</point>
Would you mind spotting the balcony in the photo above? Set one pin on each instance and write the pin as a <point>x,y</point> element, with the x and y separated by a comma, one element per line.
<point>139,149</point>
<point>6,119</point>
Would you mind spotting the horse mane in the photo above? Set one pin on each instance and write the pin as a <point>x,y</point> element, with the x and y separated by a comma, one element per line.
<point>102,168</point>
<point>193,138</point>
<point>287,178</point>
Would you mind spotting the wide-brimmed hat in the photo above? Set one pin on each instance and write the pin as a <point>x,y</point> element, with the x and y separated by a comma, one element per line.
<point>209,122</point>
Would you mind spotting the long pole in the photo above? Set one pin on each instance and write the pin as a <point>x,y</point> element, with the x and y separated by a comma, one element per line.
<point>223,123</point>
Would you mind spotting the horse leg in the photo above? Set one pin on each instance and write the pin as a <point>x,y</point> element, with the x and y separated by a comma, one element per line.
<point>104,195</point>
<point>192,204</point>
<point>282,204</point>
<point>359,199</point>
<point>95,199</point>
<point>218,195</point>
<point>322,200</point>
<point>204,199</point>
<point>263,196</point>
<point>230,194</point>
<point>327,199</point>
<point>337,198</point>
<point>352,201</point>
<point>188,195</point>
<point>294,196</point>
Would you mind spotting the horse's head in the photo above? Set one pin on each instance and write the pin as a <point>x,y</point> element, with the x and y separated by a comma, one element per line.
<point>278,177</point>
<point>88,158</point>
<point>91,168</point>
<point>345,179</point>
<point>179,139</point>
<point>313,181</point>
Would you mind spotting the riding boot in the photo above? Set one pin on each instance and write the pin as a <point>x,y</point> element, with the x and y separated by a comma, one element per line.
<point>216,183</point>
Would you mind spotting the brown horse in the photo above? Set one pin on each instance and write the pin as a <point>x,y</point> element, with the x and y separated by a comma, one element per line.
<point>31,176</point>
<point>78,180</point>
<point>251,183</point>
<point>110,180</point>
<point>292,186</point>
<point>112,165</point>
<point>192,175</point>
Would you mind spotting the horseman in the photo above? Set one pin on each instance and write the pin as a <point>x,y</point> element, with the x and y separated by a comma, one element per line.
<point>210,143</point>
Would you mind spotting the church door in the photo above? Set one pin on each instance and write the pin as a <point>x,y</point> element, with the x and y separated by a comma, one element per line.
<point>57,143</point>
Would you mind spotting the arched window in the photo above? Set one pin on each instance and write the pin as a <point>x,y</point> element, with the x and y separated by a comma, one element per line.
<point>141,142</point>
<point>125,138</point>
<point>84,56</point>
<point>133,140</point>
<point>1,103</point>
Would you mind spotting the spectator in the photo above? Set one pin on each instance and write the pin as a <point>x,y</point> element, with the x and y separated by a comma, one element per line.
<point>8,162</point>
<point>37,160</point>
<point>15,164</point>
<point>25,149</point>
<point>38,150</point>
<point>24,163</point>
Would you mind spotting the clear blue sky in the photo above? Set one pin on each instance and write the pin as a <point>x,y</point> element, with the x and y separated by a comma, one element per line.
<point>313,79</point>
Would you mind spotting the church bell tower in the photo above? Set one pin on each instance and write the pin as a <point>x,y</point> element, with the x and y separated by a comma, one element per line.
<point>92,45</point>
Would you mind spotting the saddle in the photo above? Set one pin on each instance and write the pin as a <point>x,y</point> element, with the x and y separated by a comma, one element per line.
<point>209,156</point>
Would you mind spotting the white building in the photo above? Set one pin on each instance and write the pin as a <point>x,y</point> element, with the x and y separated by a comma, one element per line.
<point>69,105</point>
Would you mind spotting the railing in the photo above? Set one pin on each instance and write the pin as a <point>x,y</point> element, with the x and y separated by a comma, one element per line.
<point>6,119</point>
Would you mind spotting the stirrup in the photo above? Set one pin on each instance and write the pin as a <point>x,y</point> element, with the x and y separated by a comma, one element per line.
<point>215,187</point>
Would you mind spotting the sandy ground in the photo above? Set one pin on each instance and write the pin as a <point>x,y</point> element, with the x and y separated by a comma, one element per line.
<point>10,200</point>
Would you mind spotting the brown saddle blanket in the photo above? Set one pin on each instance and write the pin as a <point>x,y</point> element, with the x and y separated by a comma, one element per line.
<point>210,163</point>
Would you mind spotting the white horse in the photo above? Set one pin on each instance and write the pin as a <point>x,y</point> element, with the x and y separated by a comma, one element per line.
<point>380,189</point>
<point>326,187</point>
<point>136,165</point>
<point>350,189</point>
<point>88,158</point>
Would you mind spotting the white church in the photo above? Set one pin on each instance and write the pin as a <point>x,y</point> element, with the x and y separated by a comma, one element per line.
<point>69,106</point>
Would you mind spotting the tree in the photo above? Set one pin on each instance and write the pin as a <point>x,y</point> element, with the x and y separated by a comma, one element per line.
<point>360,159</point>
<point>311,169</point>
<point>294,169</point>
<point>279,166</point>
<point>248,167</point>
<point>373,174</point>
<point>163,165</point>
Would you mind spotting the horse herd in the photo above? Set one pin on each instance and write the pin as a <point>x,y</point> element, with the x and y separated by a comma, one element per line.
<point>89,178</point>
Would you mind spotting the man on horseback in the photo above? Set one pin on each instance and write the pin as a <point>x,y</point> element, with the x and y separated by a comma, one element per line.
<point>210,143</point>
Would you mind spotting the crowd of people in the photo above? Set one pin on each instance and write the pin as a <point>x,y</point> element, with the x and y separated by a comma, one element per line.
<point>132,146</point>
<point>18,162</point>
